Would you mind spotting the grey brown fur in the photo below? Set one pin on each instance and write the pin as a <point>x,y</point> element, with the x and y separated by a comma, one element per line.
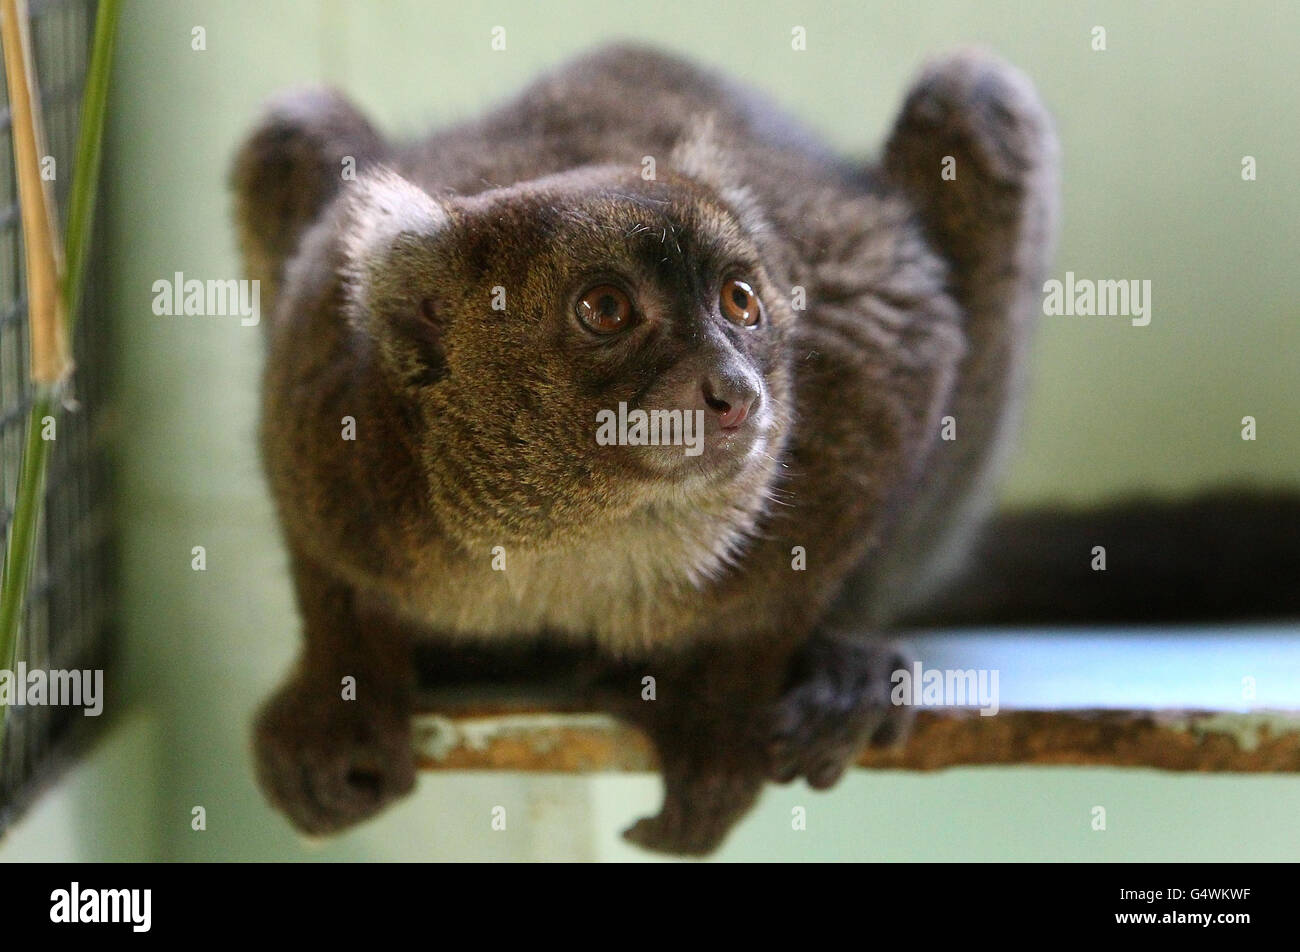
<point>475,427</point>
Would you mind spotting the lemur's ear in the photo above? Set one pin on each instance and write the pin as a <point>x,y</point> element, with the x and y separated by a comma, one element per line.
<point>386,220</point>
<point>699,154</point>
<point>388,231</point>
<point>309,143</point>
<point>976,152</point>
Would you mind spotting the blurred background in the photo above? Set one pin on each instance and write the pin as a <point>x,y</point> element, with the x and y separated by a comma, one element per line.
<point>1154,128</point>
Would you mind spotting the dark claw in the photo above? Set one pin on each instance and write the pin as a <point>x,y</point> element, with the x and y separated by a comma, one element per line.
<point>835,705</point>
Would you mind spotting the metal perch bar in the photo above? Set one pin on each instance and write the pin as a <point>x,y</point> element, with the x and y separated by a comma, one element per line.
<point>466,737</point>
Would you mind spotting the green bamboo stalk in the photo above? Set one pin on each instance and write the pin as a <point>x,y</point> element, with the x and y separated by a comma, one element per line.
<point>22,531</point>
<point>21,544</point>
<point>90,138</point>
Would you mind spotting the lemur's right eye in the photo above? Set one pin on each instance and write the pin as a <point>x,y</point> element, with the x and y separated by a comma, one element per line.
<point>605,309</point>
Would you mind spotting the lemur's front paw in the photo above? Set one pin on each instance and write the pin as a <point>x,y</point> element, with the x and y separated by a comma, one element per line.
<point>328,763</point>
<point>836,704</point>
<point>700,808</point>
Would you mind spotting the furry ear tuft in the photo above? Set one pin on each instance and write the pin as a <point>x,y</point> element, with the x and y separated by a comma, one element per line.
<point>387,227</point>
<point>382,209</point>
<point>699,156</point>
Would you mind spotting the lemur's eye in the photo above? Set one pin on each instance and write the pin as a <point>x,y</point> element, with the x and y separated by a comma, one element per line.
<point>740,303</point>
<point>604,309</point>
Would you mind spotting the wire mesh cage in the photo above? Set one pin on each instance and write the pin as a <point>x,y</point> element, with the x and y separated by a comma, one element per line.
<point>66,618</point>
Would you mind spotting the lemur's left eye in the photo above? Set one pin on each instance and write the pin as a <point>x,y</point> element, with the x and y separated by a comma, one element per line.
<point>740,303</point>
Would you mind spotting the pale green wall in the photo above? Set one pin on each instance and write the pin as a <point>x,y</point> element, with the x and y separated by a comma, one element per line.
<point>1154,130</point>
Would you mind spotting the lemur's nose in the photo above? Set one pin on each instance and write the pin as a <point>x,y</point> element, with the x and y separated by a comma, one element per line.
<point>732,397</point>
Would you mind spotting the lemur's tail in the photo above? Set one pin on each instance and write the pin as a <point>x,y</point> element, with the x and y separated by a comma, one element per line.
<point>1226,555</point>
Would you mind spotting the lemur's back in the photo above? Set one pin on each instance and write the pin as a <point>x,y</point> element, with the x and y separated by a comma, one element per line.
<point>620,104</point>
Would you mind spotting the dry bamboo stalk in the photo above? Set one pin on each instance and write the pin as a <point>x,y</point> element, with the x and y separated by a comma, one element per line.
<point>51,361</point>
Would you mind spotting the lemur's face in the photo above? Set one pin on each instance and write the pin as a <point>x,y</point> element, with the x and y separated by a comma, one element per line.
<point>581,346</point>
